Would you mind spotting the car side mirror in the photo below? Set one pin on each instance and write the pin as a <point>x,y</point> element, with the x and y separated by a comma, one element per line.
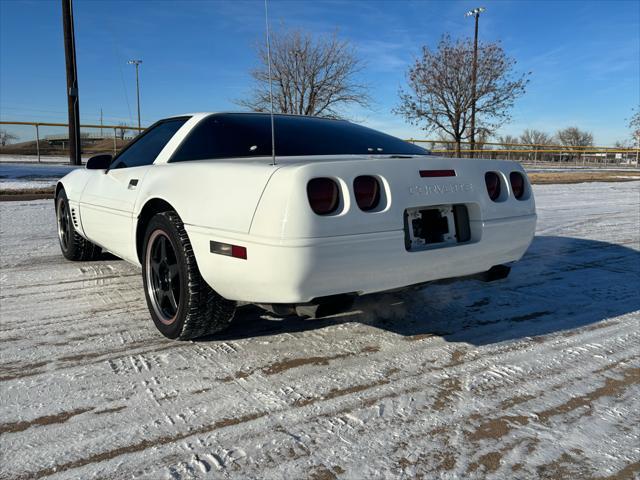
<point>99,162</point>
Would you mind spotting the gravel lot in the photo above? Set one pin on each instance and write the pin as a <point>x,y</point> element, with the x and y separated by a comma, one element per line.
<point>536,376</point>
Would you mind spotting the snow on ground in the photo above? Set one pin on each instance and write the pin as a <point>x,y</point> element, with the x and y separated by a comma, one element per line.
<point>44,159</point>
<point>558,167</point>
<point>22,184</point>
<point>549,168</point>
<point>536,376</point>
<point>16,176</point>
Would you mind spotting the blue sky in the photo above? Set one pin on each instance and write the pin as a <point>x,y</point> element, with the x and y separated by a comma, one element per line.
<point>584,56</point>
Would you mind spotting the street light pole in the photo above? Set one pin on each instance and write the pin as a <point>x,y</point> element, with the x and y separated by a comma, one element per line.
<point>137,63</point>
<point>474,72</point>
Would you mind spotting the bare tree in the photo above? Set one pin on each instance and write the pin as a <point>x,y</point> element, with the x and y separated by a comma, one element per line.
<point>6,137</point>
<point>536,140</point>
<point>536,137</point>
<point>623,144</point>
<point>481,139</point>
<point>311,76</point>
<point>444,143</point>
<point>574,137</point>
<point>508,141</point>
<point>440,96</point>
<point>634,126</point>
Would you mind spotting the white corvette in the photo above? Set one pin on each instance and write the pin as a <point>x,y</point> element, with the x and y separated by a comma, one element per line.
<point>198,202</point>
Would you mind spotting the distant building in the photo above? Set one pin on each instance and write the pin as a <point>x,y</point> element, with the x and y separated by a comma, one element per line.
<point>86,138</point>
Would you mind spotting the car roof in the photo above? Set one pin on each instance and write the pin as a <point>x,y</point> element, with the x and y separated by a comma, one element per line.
<point>206,114</point>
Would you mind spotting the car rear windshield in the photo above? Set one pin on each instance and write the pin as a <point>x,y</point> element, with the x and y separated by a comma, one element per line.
<point>249,135</point>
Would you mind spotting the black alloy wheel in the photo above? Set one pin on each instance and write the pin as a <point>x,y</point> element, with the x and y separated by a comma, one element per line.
<point>163,279</point>
<point>183,306</point>
<point>64,224</point>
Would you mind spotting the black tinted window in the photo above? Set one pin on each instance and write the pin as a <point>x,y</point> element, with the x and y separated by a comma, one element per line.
<point>145,149</point>
<point>249,135</point>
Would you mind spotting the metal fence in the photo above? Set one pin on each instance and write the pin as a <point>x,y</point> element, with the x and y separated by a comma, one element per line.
<point>49,141</point>
<point>536,154</point>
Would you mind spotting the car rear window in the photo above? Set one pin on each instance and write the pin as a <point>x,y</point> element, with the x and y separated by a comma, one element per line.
<point>249,135</point>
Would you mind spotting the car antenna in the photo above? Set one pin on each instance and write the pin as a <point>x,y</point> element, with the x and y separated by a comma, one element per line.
<point>273,130</point>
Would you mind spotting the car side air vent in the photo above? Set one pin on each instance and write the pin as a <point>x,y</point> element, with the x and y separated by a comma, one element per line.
<point>74,217</point>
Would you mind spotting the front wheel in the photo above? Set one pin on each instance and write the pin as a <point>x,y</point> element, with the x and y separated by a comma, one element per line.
<point>181,303</point>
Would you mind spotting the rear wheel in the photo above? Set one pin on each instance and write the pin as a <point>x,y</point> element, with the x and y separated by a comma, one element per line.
<point>72,244</point>
<point>181,303</point>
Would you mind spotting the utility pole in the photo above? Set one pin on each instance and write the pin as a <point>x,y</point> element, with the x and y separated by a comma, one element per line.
<point>101,122</point>
<point>72,83</point>
<point>137,64</point>
<point>474,72</point>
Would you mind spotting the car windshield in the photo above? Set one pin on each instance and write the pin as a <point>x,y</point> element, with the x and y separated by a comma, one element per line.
<point>249,135</point>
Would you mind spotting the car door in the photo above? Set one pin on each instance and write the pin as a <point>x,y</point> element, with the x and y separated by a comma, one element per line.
<point>108,199</point>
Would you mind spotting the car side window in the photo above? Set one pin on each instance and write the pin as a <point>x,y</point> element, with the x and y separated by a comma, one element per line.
<point>145,149</point>
<point>203,141</point>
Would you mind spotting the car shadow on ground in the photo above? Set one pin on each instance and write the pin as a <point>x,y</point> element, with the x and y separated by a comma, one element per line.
<point>562,283</point>
<point>108,257</point>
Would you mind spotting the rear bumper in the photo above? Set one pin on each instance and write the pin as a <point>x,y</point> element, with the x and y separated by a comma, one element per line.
<point>297,271</point>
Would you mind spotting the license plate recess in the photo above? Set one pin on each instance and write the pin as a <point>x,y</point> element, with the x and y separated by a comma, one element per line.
<point>436,226</point>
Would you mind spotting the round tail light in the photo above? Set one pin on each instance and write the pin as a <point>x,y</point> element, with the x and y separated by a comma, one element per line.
<point>492,181</point>
<point>517,184</point>
<point>323,195</point>
<point>367,191</point>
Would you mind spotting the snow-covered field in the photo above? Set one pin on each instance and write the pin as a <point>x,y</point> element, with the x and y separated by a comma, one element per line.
<point>19,176</point>
<point>536,376</point>
<point>44,159</point>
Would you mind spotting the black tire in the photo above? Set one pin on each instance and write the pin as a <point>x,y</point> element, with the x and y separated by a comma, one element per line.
<point>73,245</point>
<point>183,306</point>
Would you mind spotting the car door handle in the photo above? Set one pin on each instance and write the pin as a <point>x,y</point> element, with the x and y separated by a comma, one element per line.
<point>133,183</point>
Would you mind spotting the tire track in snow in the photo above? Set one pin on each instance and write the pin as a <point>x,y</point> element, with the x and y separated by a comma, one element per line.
<point>342,412</point>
